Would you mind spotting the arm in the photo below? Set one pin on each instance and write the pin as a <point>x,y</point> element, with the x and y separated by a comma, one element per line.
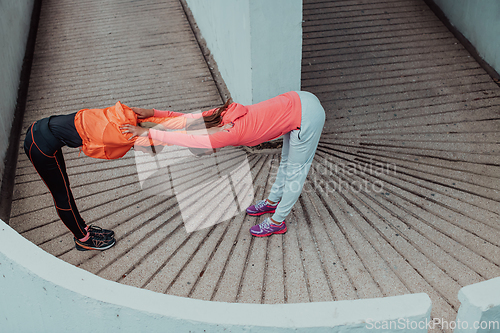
<point>165,114</point>
<point>147,113</point>
<point>216,140</point>
<point>158,113</point>
<point>143,113</point>
<point>186,140</point>
<point>167,123</point>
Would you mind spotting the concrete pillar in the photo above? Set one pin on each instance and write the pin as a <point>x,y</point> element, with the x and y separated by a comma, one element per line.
<point>479,22</point>
<point>257,44</point>
<point>15,18</point>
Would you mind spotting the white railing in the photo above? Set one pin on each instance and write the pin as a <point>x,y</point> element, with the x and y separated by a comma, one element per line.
<point>40,293</point>
<point>480,308</point>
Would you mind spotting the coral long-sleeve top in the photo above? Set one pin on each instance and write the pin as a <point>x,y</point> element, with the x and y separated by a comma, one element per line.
<point>252,124</point>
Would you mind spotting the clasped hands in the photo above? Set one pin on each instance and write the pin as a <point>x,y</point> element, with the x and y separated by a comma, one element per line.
<point>137,130</point>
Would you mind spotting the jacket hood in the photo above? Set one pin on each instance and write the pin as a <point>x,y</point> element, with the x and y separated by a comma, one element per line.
<point>233,112</point>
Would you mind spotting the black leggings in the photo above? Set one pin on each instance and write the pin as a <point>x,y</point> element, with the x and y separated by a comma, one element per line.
<point>44,151</point>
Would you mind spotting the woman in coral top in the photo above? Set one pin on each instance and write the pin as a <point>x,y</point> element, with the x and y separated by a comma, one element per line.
<point>97,132</point>
<point>298,116</point>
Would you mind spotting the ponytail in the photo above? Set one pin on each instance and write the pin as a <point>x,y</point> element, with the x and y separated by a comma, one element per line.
<point>212,120</point>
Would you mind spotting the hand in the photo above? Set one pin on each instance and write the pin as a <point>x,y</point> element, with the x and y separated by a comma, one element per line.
<point>143,113</point>
<point>135,130</point>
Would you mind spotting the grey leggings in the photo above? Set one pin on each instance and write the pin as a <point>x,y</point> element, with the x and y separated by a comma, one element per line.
<point>299,147</point>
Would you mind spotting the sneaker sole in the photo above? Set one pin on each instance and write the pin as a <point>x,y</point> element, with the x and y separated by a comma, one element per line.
<point>261,213</point>
<point>271,233</point>
<point>88,248</point>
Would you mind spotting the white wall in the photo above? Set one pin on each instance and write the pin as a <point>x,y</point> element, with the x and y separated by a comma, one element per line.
<point>40,293</point>
<point>257,44</point>
<point>15,16</point>
<point>479,22</point>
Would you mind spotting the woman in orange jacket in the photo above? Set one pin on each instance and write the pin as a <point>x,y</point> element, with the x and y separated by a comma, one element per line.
<point>97,132</point>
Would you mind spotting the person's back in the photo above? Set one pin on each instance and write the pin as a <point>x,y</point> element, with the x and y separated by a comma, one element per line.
<point>252,125</point>
<point>268,120</point>
<point>101,134</point>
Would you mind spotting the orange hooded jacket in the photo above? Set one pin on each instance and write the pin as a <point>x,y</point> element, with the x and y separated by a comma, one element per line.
<point>101,134</point>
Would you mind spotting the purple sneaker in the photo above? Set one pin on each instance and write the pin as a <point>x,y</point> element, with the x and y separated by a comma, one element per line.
<point>260,208</point>
<point>267,228</point>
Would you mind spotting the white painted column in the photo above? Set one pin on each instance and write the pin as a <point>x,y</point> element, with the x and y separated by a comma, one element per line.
<point>257,44</point>
<point>479,22</point>
<point>15,18</point>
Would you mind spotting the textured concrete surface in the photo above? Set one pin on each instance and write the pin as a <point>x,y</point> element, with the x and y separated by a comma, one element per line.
<point>403,196</point>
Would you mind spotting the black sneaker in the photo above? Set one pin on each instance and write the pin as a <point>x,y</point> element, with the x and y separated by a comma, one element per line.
<point>94,243</point>
<point>100,232</point>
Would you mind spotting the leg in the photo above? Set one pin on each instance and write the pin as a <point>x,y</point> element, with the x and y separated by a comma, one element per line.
<point>303,144</point>
<point>279,183</point>
<point>263,206</point>
<point>300,152</point>
<point>44,151</point>
<point>48,161</point>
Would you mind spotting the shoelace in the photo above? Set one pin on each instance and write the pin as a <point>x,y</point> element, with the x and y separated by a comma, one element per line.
<point>260,204</point>
<point>266,224</point>
<point>95,230</point>
<point>94,227</point>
